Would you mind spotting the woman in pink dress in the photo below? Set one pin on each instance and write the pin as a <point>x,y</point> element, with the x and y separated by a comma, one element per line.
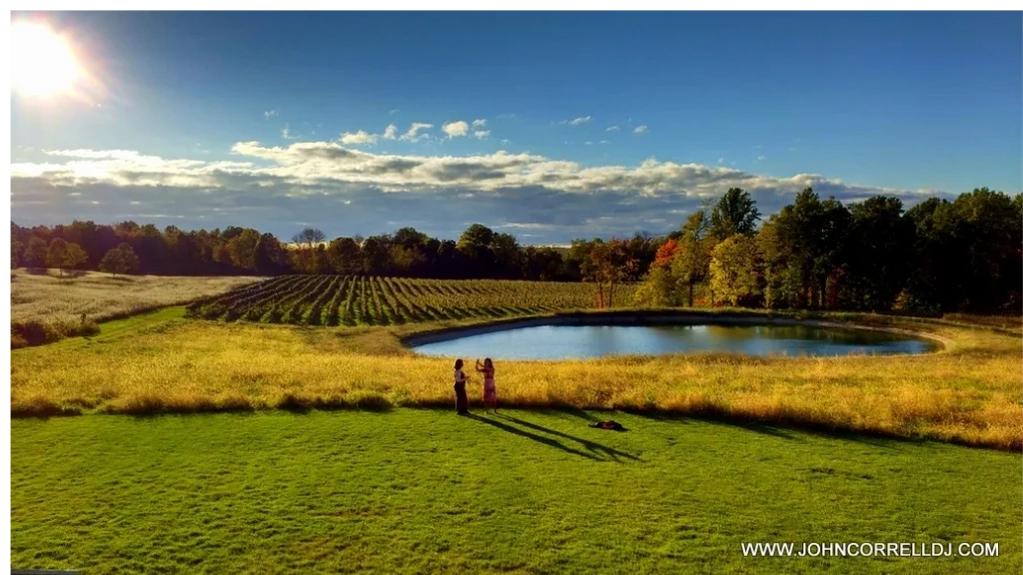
<point>489,387</point>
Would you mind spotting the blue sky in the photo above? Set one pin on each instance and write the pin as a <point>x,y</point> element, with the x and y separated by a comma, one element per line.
<point>586,124</point>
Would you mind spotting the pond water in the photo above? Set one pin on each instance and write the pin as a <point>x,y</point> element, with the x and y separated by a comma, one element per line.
<point>574,341</point>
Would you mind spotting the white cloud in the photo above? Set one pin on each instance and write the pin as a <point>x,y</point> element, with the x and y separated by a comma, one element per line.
<point>578,121</point>
<point>588,143</point>
<point>721,160</point>
<point>391,132</point>
<point>269,114</point>
<point>286,133</point>
<point>394,111</point>
<point>481,134</point>
<point>412,135</point>
<point>456,129</point>
<point>605,142</point>
<point>761,158</point>
<point>358,138</point>
<point>479,123</point>
<point>614,128</point>
<point>326,167</point>
<point>506,141</point>
<point>640,129</point>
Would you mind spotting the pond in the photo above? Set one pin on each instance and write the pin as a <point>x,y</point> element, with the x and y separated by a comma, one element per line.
<point>585,341</point>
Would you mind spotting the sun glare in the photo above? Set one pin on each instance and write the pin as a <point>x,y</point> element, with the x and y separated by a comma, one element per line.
<point>43,64</point>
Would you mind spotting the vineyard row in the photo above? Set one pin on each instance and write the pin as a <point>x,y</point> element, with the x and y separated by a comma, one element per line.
<point>324,300</point>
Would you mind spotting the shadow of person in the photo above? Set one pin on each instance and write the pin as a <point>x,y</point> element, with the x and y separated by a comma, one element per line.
<point>538,438</point>
<point>589,445</point>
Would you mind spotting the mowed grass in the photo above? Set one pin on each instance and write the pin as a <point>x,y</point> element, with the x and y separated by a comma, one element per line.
<point>425,491</point>
<point>57,304</point>
<point>968,394</point>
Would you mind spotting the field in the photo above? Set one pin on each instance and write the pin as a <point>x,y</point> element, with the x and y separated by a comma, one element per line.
<point>424,491</point>
<point>324,300</point>
<point>45,307</point>
<point>319,463</point>
<point>162,362</point>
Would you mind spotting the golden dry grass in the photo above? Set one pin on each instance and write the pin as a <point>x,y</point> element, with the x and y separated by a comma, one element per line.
<point>50,307</point>
<point>971,393</point>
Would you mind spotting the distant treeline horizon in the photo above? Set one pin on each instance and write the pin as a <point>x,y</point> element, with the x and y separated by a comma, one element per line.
<point>940,255</point>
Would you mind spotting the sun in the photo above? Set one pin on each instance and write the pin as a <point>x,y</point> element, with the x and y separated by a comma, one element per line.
<point>42,62</point>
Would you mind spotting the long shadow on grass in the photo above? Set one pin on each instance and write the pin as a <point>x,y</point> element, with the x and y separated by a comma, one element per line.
<point>748,425</point>
<point>589,445</point>
<point>570,410</point>
<point>538,438</point>
<point>866,438</point>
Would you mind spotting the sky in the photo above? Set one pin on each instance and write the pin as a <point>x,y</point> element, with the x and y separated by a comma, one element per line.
<point>549,126</point>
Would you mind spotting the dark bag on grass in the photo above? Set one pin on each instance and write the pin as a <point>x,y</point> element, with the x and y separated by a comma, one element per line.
<point>608,425</point>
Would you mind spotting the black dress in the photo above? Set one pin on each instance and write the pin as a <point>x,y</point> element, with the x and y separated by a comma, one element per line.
<point>461,400</point>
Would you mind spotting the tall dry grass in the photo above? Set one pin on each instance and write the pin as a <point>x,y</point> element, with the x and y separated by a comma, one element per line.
<point>969,394</point>
<point>46,307</point>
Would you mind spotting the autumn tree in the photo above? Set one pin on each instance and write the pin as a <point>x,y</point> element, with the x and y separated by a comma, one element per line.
<point>305,240</point>
<point>735,271</point>
<point>666,253</point>
<point>120,260</point>
<point>64,255</point>
<point>608,263</point>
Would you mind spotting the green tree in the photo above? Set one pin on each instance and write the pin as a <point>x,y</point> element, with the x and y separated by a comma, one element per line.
<point>344,256</point>
<point>986,225</point>
<point>242,248</point>
<point>376,255</point>
<point>659,289</point>
<point>64,256</point>
<point>774,257</point>
<point>16,248</point>
<point>35,252</point>
<point>735,271</point>
<point>403,259</point>
<point>271,256</point>
<point>813,234</point>
<point>881,242</point>
<point>119,260</point>
<point>475,244</point>
<point>692,260</point>
<point>735,213</point>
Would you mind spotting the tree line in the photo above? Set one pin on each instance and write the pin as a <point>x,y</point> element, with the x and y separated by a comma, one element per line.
<point>939,256</point>
<point>480,253</point>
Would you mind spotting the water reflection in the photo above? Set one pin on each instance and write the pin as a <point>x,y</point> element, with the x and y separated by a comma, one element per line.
<point>564,341</point>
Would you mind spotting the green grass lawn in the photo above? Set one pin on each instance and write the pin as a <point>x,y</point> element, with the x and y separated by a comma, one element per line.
<point>415,491</point>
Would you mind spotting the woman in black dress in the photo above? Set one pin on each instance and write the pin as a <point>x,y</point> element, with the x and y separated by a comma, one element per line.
<point>461,400</point>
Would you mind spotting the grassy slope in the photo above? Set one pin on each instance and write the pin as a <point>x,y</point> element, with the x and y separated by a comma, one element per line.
<point>46,308</point>
<point>156,363</point>
<point>416,491</point>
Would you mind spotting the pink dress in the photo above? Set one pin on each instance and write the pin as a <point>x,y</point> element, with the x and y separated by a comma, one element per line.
<point>489,387</point>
